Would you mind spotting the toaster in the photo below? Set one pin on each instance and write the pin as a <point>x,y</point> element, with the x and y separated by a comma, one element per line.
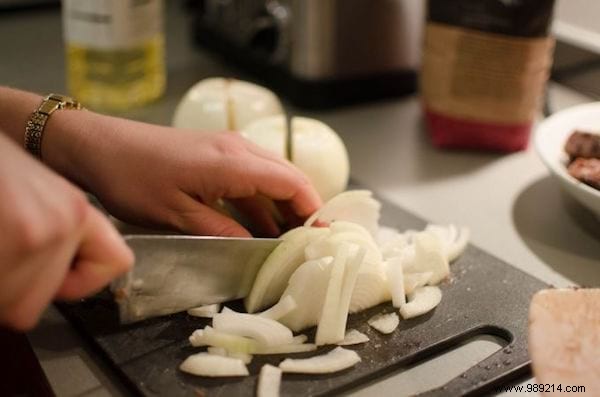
<point>318,53</point>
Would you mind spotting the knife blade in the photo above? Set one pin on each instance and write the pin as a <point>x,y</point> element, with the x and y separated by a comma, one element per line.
<point>173,273</point>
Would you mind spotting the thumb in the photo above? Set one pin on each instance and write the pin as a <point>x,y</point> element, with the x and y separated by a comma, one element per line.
<point>198,218</point>
<point>102,256</point>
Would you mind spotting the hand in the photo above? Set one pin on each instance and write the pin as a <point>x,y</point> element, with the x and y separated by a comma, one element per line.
<point>159,176</point>
<point>54,244</point>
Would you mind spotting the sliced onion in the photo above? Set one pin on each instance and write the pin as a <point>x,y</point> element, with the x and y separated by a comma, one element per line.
<point>344,226</point>
<point>205,311</point>
<point>336,360</point>
<point>344,272</point>
<point>300,338</point>
<point>286,305</point>
<point>273,276</point>
<point>217,351</point>
<point>265,331</point>
<point>385,323</point>
<point>308,286</point>
<point>286,349</point>
<point>353,337</point>
<point>269,381</point>
<point>413,281</point>
<point>205,364</point>
<point>453,240</point>
<point>386,235</point>
<point>245,357</point>
<point>357,206</point>
<point>328,246</point>
<point>429,257</point>
<point>221,351</point>
<point>395,277</point>
<point>421,301</point>
<point>371,288</point>
<point>232,343</point>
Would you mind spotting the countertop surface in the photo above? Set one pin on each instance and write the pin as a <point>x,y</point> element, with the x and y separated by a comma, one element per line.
<point>514,209</point>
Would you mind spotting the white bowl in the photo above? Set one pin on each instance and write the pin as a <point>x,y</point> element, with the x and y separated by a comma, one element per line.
<point>550,138</point>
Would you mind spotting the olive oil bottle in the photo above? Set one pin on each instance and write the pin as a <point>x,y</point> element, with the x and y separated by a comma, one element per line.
<point>114,52</point>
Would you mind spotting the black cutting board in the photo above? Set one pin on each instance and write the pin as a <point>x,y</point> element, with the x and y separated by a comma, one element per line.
<point>484,296</point>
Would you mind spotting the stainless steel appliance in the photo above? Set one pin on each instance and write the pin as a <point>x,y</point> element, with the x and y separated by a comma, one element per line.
<point>318,52</point>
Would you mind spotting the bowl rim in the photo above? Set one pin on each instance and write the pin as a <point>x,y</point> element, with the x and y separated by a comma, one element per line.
<point>557,165</point>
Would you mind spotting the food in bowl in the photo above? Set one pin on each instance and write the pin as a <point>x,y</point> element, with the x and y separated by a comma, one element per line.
<point>583,149</point>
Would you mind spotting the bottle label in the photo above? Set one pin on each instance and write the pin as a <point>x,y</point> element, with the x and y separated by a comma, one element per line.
<point>483,76</point>
<point>111,24</point>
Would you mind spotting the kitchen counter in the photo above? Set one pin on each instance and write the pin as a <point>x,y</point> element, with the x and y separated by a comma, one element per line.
<point>513,208</point>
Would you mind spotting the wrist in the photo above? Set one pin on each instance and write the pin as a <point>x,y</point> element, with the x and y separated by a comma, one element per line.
<point>68,143</point>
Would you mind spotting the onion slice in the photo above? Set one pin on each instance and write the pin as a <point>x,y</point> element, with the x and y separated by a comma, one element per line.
<point>220,351</point>
<point>205,364</point>
<point>205,311</point>
<point>286,305</point>
<point>357,206</point>
<point>385,323</point>
<point>395,276</point>
<point>421,301</point>
<point>265,331</point>
<point>346,265</point>
<point>353,337</point>
<point>371,288</point>
<point>413,281</point>
<point>308,285</point>
<point>286,349</point>
<point>454,240</point>
<point>429,257</point>
<point>232,343</point>
<point>269,381</point>
<point>273,276</point>
<point>336,360</point>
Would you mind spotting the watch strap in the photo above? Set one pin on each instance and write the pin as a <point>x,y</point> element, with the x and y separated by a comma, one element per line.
<point>34,129</point>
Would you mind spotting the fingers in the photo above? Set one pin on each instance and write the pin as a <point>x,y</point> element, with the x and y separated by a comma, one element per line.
<point>194,217</point>
<point>261,212</point>
<point>102,256</point>
<point>277,179</point>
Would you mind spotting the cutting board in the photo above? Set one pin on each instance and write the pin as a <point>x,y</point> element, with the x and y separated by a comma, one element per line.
<point>484,296</point>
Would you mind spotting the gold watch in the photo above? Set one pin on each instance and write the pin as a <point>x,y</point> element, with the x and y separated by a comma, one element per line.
<point>34,130</point>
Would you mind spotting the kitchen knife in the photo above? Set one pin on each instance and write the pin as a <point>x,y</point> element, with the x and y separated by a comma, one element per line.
<point>173,273</point>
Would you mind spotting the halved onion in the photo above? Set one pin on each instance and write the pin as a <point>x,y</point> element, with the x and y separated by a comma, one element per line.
<point>274,274</point>
<point>357,206</point>
<point>265,331</point>
<point>385,323</point>
<point>205,311</point>
<point>421,301</point>
<point>336,360</point>
<point>353,337</point>
<point>205,364</point>
<point>269,381</point>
